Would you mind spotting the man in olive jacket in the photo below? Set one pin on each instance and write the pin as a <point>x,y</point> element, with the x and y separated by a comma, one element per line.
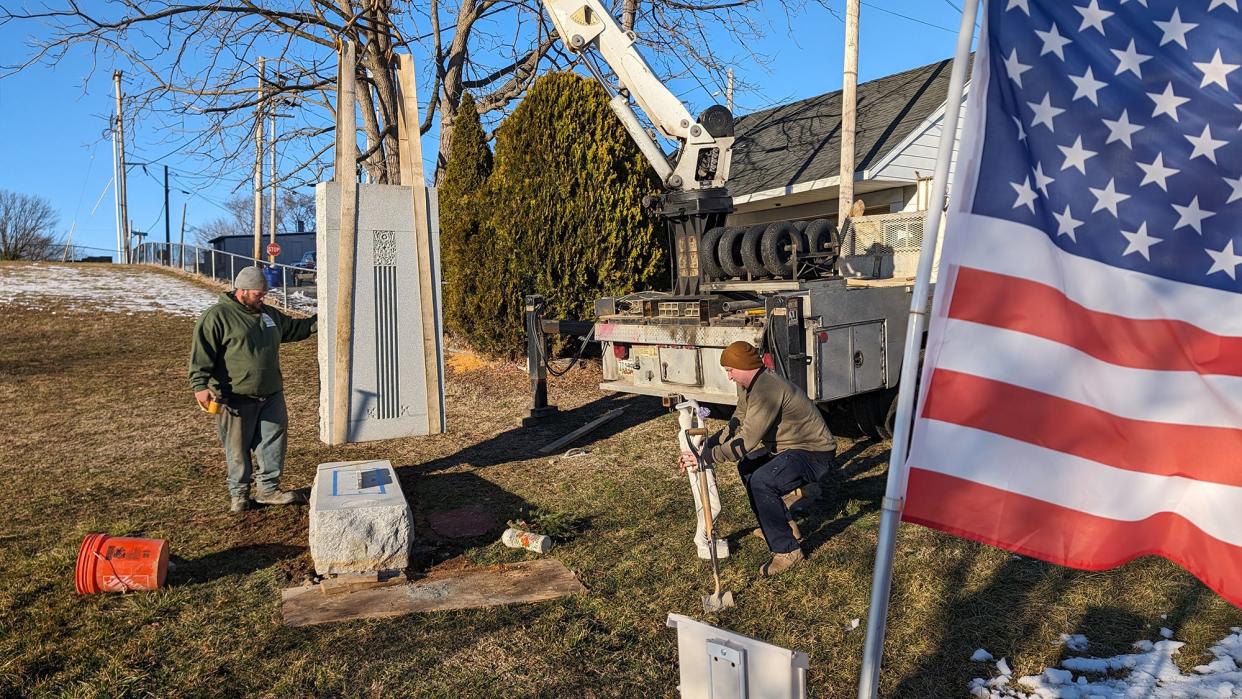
<point>780,442</point>
<point>235,361</point>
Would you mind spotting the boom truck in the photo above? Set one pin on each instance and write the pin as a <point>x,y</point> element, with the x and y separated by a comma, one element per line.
<point>828,311</point>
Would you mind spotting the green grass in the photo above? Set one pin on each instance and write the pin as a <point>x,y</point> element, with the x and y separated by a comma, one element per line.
<point>101,434</point>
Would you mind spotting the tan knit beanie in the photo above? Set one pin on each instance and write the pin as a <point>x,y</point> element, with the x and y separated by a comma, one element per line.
<point>740,355</point>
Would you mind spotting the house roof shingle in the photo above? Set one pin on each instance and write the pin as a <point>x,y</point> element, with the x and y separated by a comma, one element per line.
<point>801,141</point>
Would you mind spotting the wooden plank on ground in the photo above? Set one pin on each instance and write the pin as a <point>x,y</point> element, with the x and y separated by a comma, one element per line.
<point>569,438</point>
<point>520,583</point>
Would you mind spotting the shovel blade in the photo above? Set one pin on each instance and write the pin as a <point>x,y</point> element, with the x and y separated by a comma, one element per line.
<point>717,601</point>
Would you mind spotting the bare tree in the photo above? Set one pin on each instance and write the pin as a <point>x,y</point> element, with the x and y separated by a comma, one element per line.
<point>194,64</point>
<point>26,225</point>
<point>294,210</point>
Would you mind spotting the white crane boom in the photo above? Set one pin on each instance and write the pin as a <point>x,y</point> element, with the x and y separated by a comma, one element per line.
<point>706,143</point>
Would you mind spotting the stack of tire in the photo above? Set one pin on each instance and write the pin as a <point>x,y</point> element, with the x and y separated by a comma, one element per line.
<point>766,250</point>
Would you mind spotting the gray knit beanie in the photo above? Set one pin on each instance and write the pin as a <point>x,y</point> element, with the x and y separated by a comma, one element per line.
<point>250,278</point>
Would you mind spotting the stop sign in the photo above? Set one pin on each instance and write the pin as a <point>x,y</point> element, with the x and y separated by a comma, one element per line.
<point>273,249</point>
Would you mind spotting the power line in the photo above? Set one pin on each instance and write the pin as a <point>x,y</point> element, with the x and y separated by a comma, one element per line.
<point>912,19</point>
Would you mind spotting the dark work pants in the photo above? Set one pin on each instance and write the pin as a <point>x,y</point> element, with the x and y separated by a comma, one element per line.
<point>769,477</point>
<point>260,426</point>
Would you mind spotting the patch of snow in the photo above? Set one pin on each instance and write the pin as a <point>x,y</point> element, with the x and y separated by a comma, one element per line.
<point>1003,667</point>
<point>1166,632</point>
<point>981,656</point>
<point>125,290</point>
<point>1149,672</point>
<point>297,301</point>
<point>854,624</point>
<point>1055,676</point>
<point>1075,642</point>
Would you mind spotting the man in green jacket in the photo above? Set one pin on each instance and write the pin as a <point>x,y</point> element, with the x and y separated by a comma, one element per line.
<point>780,442</point>
<point>235,361</point>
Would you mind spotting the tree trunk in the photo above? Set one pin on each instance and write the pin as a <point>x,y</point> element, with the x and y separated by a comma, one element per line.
<point>629,10</point>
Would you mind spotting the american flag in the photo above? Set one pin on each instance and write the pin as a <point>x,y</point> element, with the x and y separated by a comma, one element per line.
<point>1082,389</point>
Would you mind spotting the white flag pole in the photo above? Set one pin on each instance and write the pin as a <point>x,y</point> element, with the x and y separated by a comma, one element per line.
<point>895,491</point>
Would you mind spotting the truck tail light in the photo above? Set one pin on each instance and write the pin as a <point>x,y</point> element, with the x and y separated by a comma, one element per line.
<point>767,360</point>
<point>621,351</point>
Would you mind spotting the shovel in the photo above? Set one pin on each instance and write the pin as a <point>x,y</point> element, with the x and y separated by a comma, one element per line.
<point>718,600</point>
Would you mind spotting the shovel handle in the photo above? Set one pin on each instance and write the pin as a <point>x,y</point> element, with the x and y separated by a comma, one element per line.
<point>706,501</point>
<point>696,432</point>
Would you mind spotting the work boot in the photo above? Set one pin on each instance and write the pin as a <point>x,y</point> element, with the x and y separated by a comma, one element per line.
<point>280,497</point>
<point>239,503</point>
<point>793,528</point>
<point>781,562</point>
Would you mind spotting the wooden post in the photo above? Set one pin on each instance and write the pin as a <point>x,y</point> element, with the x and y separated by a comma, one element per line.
<point>346,176</point>
<point>271,178</point>
<point>258,164</point>
<point>849,103</point>
<point>410,153</point>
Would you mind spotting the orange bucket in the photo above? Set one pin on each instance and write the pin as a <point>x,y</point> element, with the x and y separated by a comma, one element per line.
<point>120,564</point>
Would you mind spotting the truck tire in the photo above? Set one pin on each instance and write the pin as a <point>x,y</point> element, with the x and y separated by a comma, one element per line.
<point>777,246</point>
<point>876,413</point>
<point>801,225</point>
<point>821,236</point>
<point>707,254</point>
<point>729,252</point>
<point>750,251</point>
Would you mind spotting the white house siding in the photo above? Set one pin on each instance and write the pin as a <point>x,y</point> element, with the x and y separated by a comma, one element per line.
<point>918,156</point>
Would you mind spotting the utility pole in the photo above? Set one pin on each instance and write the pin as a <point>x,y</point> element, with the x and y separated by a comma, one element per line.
<point>849,103</point>
<point>271,178</point>
<point>123,212</point>
<point>167,218</point>
<point>116,196</point>
<point>729,92</point>
<point>258,165</point>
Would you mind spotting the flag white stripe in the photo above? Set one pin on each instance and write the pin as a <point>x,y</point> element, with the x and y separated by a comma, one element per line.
<point>1074,482</point>
<point>1178,397</point>
<point>1023,251</point>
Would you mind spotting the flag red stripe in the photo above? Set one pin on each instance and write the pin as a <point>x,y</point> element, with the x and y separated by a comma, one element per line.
<point>1025,306</point>
<point>1068,537</point>
<point>1191,451</point>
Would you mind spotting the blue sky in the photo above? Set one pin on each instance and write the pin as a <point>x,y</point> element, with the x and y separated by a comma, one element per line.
<point>55,117</point>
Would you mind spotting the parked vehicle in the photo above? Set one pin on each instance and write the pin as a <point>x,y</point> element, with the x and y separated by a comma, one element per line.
<point>827,307</point>
<point>306,268</point>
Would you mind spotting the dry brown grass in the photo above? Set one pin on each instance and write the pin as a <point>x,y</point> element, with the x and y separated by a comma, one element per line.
<point>101,435</point>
